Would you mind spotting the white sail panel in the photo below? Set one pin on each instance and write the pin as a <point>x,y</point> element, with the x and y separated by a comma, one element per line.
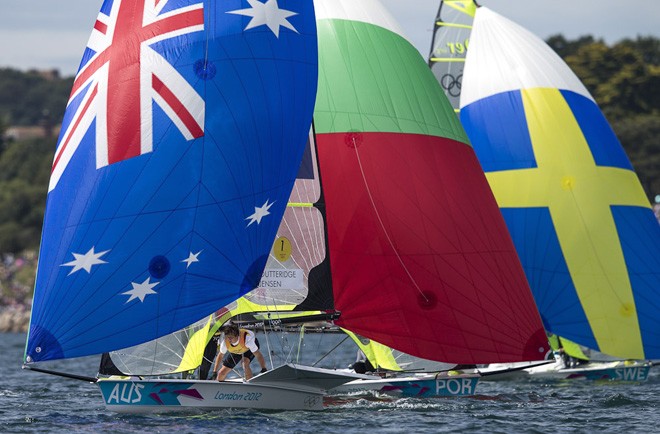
<point>367,11</point>
<point>533,64</point>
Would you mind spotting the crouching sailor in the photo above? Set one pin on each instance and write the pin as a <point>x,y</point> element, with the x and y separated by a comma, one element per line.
<point>238,345</point>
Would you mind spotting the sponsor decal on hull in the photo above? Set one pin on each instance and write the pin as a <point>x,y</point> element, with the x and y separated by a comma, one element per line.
<point>135,393</point>
<point>436,387</point>
<point>627,373</point>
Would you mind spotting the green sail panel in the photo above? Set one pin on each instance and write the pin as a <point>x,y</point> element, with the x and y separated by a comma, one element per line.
<point>399,96</point>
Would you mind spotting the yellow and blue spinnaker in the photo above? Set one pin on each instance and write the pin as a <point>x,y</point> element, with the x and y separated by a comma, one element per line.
<point>582,225</point>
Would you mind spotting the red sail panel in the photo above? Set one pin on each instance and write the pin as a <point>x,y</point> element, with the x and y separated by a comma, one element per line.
<point>420,255</point>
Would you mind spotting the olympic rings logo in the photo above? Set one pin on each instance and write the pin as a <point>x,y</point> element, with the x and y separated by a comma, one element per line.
<point>452,84</point>
<point>311,401</point>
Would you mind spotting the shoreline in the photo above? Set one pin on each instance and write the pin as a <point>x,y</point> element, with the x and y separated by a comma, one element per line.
<point>14,319</point>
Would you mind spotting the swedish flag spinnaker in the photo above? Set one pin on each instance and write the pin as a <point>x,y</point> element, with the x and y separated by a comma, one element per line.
<point>582,225</point>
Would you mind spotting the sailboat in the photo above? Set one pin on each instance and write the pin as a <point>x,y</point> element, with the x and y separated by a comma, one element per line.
<point>419,258</point>
<point>579,218</point>
<point>294,288</point>
<point>182,137</point>
<point>449,46</point>
<point>384,230</point>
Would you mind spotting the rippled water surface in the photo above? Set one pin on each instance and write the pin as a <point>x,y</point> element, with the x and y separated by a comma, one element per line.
<point>36,403</point>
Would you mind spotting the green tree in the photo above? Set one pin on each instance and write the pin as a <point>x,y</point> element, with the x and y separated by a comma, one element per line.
<point>3,128</point>
<point>625,81</point>
<point>24,173</point>
<point>619,77</point>
<point>565,48</point>
<point>25,97</point>
<point>639,136</point>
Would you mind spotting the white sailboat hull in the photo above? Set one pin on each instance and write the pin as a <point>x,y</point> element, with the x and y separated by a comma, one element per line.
<point>616,370</point>
<point>147,396</point>
<point>288,387</point>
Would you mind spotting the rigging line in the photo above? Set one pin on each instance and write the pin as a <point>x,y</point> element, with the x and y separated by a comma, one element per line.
<point>318,344</point>
<point>270,355</point>
<point>380,221</point>
<point>288,347</point>
<point>284,341</point>
<point>301,338</point>
<point>328,353</point>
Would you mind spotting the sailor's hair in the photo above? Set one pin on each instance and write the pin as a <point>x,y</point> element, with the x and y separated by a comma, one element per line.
<point>230,329</point>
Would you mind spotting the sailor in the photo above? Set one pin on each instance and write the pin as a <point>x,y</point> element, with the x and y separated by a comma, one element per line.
<point>362,363</point>
<point>239,344</point>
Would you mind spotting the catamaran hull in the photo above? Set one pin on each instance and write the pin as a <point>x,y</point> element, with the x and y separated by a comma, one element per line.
<point>147,396</point>
<point>421,387</point>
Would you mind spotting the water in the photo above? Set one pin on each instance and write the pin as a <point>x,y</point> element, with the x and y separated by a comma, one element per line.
<point>31,402</point>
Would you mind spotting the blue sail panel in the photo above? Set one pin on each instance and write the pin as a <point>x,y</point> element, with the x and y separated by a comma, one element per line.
<point>502,142</point>
<point>547,273</point>
<point>639,233</point>
<point>184,132</point>
<point>603,143</point>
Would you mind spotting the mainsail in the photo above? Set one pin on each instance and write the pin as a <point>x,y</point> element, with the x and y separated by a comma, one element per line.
<point>179,147</point>
<point>419,253</point>
<point>451,38</point>
<point>297,273</point>
<point>582,225</point>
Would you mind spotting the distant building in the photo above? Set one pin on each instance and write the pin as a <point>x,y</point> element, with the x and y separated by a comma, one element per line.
<point>48,74</point>
<point>15,133</point>
<point>22,133</point>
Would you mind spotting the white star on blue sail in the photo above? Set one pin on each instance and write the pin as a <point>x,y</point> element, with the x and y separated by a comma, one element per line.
<point>141,290</point>
<point>259,213</point>
<point>85,261</point>
<point>192,257</point>
<point>267,14</point>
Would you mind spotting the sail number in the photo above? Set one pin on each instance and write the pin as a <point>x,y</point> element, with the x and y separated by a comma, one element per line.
<point>632,374</point>
<point>282,249</point>
<point>128,393</point>
<point>458,47</point>
<point>455,386</point>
